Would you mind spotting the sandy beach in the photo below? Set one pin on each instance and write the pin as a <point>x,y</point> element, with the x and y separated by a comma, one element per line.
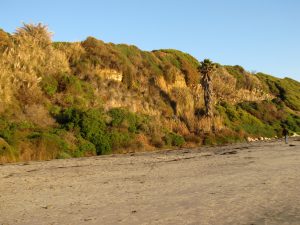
<point>250,183</point>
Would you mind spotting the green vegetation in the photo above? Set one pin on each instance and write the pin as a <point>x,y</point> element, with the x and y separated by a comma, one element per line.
<point>127,119</point>
<point>62,100</point>
<point>286,89</point>
<point>90,125</point>
<point>243,78</point>
<point>173,139</point>
<point>241,121</point>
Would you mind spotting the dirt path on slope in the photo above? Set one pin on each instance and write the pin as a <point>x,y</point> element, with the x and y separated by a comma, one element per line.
<point>249,184</point>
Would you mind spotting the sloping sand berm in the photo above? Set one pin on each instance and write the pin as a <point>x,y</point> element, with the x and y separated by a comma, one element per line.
<point>257,183</point>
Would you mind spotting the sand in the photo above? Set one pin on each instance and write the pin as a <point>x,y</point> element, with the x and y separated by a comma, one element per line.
<point>255,183</point>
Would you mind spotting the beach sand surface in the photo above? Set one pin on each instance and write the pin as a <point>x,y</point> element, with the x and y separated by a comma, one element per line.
<point>251,183</point>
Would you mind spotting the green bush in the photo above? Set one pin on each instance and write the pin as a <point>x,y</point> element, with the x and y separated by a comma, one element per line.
<point>120,139</point>
<point>292,123</point>
<point>286,89</point>
<point>237,119</point>
<point>102,142</point>
<point>64,155</point>
<point>209,139</point>
<point>70,83</point>
<point>7,131</point>
<point>91,126</point>
<point>85,148</point>
<point>49,85</point>
<point>172,139</point>
<point>11,132</point>
<point>272,113</point>
<point>7,151</point>
<point>123,118</point>
<point>54,110</point>
<point>92,123</point>
<point>70,118</point>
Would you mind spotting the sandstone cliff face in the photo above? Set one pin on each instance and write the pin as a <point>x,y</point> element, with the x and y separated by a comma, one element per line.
<point>110,74</point>
<point>225,89</point>
<point>183,100</point>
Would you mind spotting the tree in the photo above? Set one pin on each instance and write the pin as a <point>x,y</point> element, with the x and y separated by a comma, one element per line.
<point>207,68</point>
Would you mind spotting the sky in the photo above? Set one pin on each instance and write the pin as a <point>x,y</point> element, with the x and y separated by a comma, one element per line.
<point>260,35</point>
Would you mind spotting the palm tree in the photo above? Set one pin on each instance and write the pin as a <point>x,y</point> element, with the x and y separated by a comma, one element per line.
<point>206,68</point>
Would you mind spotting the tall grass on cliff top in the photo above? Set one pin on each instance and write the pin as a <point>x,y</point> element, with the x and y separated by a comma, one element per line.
<point>28,57</point>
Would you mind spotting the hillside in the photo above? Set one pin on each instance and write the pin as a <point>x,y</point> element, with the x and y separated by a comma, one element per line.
<point>61,100</point>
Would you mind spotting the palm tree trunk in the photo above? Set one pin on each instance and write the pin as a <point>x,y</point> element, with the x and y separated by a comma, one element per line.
<point>208,95</point>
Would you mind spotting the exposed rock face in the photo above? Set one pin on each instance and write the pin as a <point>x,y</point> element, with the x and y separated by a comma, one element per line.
<point>251,95</point>
<point>111,74</point>
<point>115,95</point>
<point>224,86</point>
<point>179,82</point>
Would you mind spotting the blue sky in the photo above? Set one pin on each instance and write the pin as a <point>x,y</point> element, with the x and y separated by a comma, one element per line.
<point>260,35</point>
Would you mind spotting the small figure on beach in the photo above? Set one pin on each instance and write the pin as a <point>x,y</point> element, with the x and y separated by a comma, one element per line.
<point>285,133</point>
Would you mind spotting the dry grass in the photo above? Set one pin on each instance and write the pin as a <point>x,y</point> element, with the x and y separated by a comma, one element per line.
<point>36,151</point>
<point>140,144</point>
<point>38,115</point>
<point>22,65</point>
<point>208,124</point>
<point>7,153</point>
<point>179,127</point>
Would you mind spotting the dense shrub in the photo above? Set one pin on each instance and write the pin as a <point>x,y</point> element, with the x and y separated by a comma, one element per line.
<point>266,111</point>
<point>7,152</point>
<point>292,122</point>
<point>84,148</point>
<point>286,89</point>
<point>124,118</point>
<point>69,83</point>
<point>90,124</point>
<point>239,120</point>
<point>49,85</point>
<point>172,139</point>
<point>273,114</point>
<point>120,139</point>
<point>7,130</point>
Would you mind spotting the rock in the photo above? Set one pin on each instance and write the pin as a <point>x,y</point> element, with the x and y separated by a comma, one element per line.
<point>250,139</point>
